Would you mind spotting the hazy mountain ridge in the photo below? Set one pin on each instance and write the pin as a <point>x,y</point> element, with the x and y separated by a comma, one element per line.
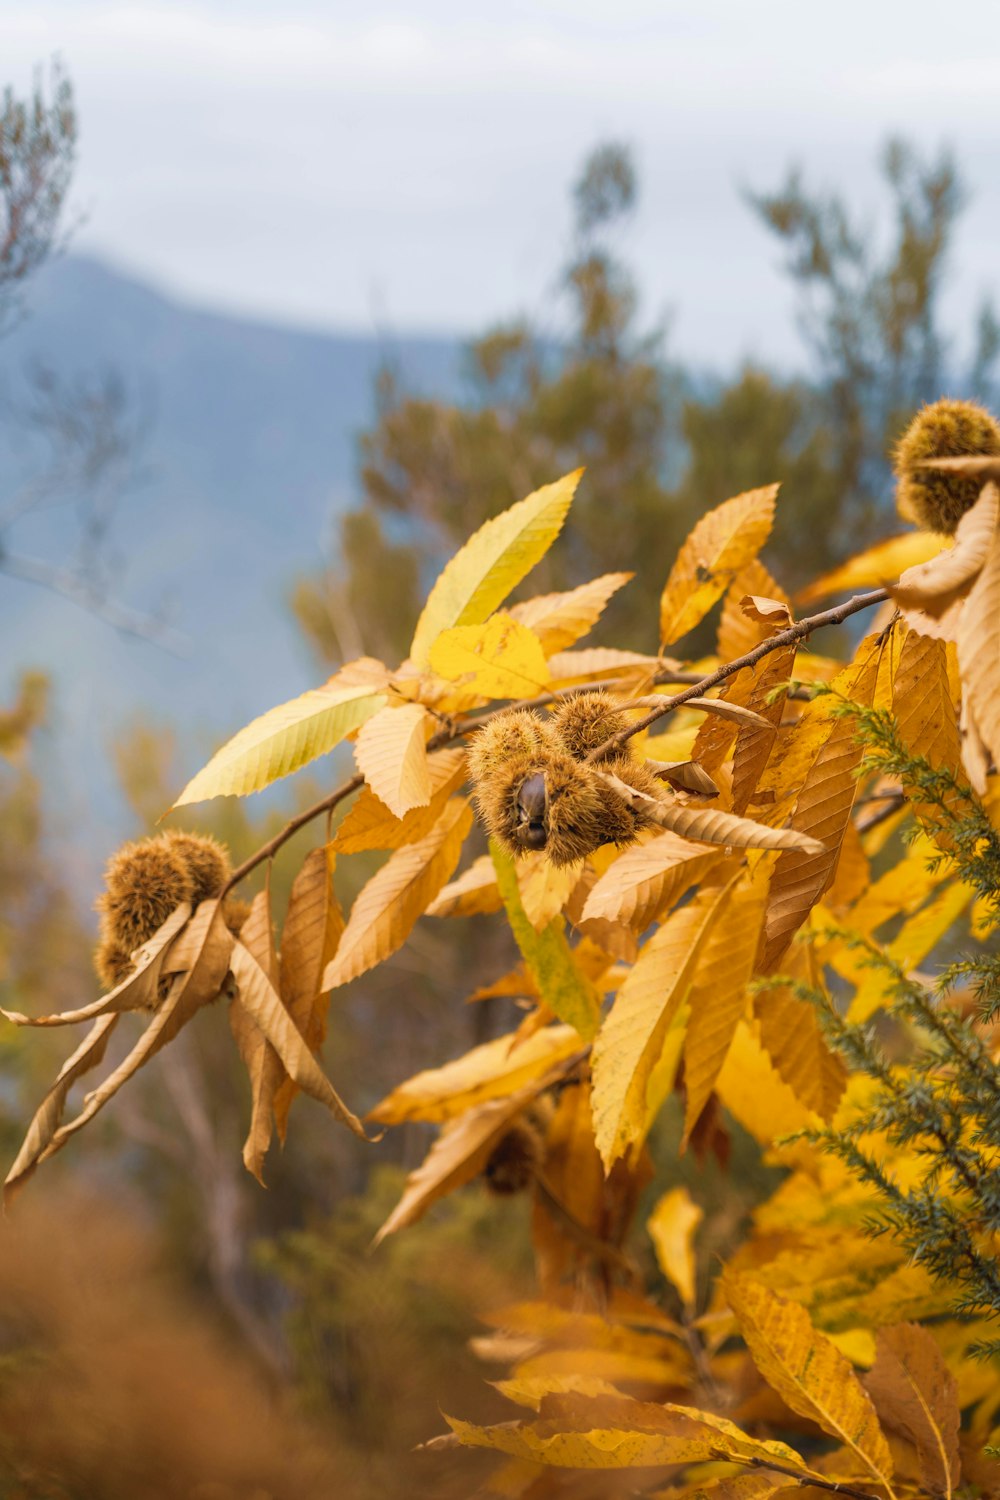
<point>250,450</point>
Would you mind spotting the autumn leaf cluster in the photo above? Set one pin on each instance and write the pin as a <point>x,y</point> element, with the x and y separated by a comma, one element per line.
<point>716,875</point>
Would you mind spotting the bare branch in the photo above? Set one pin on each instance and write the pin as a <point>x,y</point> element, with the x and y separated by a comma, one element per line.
<point>80,589</point>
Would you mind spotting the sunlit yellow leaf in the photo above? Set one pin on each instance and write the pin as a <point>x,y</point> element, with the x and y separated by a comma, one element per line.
<point>493,561</point>
<point>500,659</point>
<point>391,754</point>
<point>918,937</point>
<point>545,888</point>
<point>878,565</point>
<point>386,909</point>
<point>672,1226</point>
<point>282,741</point>
<point>593,663</point>
<point>560,620</point>
<point>494,1070</point>
<point>807,1371</point>
<point>755,1094</point>
<point>645,881</point>
<point>370,825</point>
<point>629,1043</point>
<point>718,994</point>
<point>722,543</point>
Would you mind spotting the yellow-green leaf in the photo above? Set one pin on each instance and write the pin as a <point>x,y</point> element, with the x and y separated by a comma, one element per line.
<point>282,741</point>
<point>502,552</point>
<point>561,986</point>
<point>500,659</point>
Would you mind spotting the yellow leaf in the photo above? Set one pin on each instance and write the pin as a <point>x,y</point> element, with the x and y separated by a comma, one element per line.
<point>722,543</point>
<point>470,894</point>
<point>559,620</point>
<point>808,1372</point>
<point>263,1065</point>
<point>502,552</point>
<point>386,909</point>
<point>595,662</point>
<point>755,1095</point>
<point>545,888</point>
<point>645,882</point>
<point>391,754</point>
<point>629,1043</point>
<point>605,1432</point>
<point>822,811</point>
<point>313,927</point>
<point>791,1035</point>
<point>918,937</point>
<point>575,1175</point>
<point>282,741</point>
<point>916,1395</point>
<point>880,564</point>
<point>528,1390</point>
<point>718,994</point>
<point>672,1226</point>
<point>370,825</point>
<point>562,986</point>
<point>500,659</point>
<point>494,1070</point>
<point>922,702</point>
<point>979,650</point>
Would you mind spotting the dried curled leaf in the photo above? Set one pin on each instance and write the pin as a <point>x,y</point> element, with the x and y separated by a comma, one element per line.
<point>493,561</point>
<point>979,650</point>
<point>263,1065</point>
<point>712,826</point>
<point>934,586</point>
<point>138,991</point>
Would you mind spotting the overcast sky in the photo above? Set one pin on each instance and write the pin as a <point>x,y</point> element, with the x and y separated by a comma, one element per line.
<point>406,166</point>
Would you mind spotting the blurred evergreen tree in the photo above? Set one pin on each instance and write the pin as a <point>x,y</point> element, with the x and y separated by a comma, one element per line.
<point>661,448</point>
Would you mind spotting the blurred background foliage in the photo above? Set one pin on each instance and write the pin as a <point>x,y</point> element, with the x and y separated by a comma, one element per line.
<point>164,1319</point>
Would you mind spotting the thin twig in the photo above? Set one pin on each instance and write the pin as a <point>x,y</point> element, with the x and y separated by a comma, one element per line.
<point>80,590</point>
<point>789,637</point>
<point>453,730</point>
<point>800,1476</point>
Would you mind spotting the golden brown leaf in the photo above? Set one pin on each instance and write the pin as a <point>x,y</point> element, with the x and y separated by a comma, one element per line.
<point>574,1173</point>
<point>263,1003</point>
<point>630,1042</point>
<point>137,991</point>
<point>494,1070</point>
<point>878,565</point>
<point>791,1034</point>
<point>916,1395</point>
<point>739,632</point>
<point>391,753</point>
<point>594,662</point>
<point>934,586</point>
<point>313,927</point>
<point>262,1063</point>
<point>808,1372</point>
<point>370,825</point>
<point>89,1054</point>
<point>722,543</point>
<point>386,909</point>
<point>209,944</point>
<point>718,994</point>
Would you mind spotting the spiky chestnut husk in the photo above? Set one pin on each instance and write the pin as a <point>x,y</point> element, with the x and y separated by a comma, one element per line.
<point>586,721</point>
<point>936,499</point>
<point>517,732</point>
<point>145,882</point>
<point>234,913</point>
<point>515,1158</point>
<point>583,812</point>
<point>112,963</point>
<point>206,859</point>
